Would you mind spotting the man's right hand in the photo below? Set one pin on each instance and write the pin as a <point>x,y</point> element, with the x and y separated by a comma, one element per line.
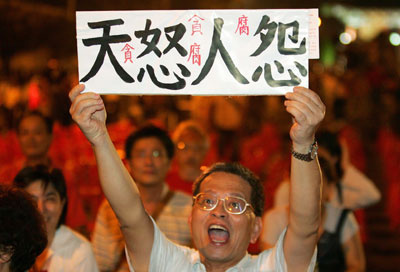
<point>88,111</point>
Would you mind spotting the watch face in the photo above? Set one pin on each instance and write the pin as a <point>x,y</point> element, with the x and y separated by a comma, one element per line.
<point>314,150</point>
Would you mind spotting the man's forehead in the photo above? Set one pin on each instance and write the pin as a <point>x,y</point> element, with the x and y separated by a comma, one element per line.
<point>226,182</point>
<point>147,143</point>
<point>190,135</point>
<point>33,120</point>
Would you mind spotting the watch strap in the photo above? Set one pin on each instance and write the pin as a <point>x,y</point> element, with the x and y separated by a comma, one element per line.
<point>309,156</point>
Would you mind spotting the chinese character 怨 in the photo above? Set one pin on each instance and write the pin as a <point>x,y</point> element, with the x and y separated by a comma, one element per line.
<point>266,40</point>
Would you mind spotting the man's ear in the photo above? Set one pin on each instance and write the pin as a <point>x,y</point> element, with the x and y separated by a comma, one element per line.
<point>257,228</point>
<point>190,219</point>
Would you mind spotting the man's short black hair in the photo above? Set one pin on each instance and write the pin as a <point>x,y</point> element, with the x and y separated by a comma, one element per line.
<point>46,120</point>
<point>47,176</point>
<point>22,229</point>
<point>149,131</point>
<point>257,191</point>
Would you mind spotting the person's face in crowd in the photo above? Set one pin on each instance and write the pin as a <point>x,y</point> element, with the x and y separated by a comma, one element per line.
<point>149,162</point>
<point>5,258</point>
<point>33,136</point>
<point>49,204</point>
<point>191,150</point>
<point>222,237</point>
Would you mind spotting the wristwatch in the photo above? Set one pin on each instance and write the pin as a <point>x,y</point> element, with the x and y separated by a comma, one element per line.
<point>310,155</point>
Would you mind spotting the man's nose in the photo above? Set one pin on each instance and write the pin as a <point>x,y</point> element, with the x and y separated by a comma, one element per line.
<point>149,159</point>
<point>219,210</point>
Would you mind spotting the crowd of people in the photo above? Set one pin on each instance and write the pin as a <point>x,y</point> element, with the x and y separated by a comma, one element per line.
<point>84,193</point>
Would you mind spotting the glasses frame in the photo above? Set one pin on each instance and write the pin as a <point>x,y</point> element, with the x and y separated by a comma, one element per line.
<point>223,199</point>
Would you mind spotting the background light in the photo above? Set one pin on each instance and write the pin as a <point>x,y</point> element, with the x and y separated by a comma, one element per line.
<point>345,38</point>
<point>394,39</point>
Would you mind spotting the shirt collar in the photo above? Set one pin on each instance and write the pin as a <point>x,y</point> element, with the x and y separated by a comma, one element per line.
<point>199,266</point>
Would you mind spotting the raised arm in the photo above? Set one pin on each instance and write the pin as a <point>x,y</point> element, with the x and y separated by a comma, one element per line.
<point>88,111</point>
<point>305,202</point>
<point>358,190</point>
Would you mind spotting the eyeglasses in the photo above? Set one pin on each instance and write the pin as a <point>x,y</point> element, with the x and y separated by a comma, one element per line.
<point>232,204</point>
<point>144,154</point>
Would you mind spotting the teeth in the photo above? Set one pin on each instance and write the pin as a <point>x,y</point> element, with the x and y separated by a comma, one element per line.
<point>217,227</point>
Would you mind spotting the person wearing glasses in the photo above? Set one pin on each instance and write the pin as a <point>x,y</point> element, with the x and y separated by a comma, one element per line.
<point>226,213</point>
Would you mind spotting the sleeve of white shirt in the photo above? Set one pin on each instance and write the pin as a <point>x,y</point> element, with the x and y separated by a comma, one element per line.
<point>166,255</point>
<point>84,259</point>
<point>358,190</point>
<point>350,228</point>
<point>275,261</point>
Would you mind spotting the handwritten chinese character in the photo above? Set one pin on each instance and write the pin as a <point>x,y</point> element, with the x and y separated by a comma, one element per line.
<point>128,54</point>
<point>242,25</point>
<point>217,46</point>
<point>195,54</point>
<point>196,26</point>
<point>105,48</point>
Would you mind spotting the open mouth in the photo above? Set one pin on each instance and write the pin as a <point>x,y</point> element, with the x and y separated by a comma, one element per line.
<point>218,234</point>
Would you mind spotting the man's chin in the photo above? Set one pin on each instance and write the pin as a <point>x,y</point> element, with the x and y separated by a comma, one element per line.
<point>219,255</point>
<point>149,183</point>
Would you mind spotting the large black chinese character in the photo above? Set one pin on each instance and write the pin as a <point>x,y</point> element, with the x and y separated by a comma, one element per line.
<point>293,81</point>
<point>152,45</point>
<point>179,84</point>
<point>179,30</point>
<point>294,38</point>
<point>266,39</point>
<point>105,48</point>
<point>216,45</point>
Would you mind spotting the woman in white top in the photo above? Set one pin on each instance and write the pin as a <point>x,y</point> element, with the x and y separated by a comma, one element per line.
<point>337,219</point>
<point>66,249</point>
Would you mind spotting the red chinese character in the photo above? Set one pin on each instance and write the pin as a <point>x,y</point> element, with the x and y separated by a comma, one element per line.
<point>195,54</point>
<point>242,25</point>
<point>128,53</point>
<point>196,26</point>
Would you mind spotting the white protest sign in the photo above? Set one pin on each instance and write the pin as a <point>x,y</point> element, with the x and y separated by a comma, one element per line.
<point>197,52</point>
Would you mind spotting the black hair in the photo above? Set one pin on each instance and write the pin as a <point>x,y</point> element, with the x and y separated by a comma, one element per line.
<point>47,176</point>
<point>147,132</point>
<point>257,191</point>
<point>330,142</point>
<point>22,228</point>
<point>47,120</point>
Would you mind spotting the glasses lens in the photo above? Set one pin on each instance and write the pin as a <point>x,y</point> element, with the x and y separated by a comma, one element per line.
<point>234,204</point>
<point>206,201</point>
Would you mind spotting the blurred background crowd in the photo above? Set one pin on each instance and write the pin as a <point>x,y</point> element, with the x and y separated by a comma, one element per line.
<point>357,77</point>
